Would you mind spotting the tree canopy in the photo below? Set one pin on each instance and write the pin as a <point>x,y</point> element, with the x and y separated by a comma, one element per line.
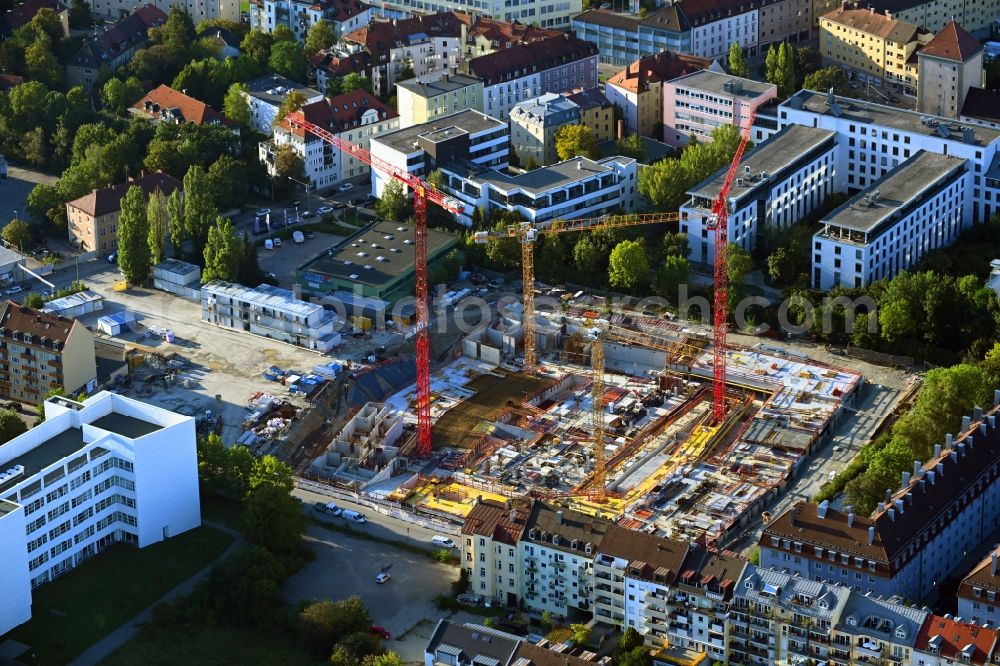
<point>628,266</point>
<point>576,140</point>
<point>738,65</point>
<point>134,255</point>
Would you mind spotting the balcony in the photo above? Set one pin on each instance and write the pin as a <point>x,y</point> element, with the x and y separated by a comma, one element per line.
<point>868,649</point>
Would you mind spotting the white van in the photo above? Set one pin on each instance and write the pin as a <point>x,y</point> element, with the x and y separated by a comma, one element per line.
<point>298,237</point>
<point>442,541</point>
<point>354,515</point>
<point>269,244</point>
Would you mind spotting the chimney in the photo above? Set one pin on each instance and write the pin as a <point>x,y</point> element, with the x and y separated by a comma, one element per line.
<point>918,468</point>
<point>949,439</point>
<point>898,503</point>
<point>479,499</point>
<point>881,507</point>
<point>930,475</point>
<point>791,515</point>
<point>822,509</point>
<point>513,515</point>
<point>905,480</point>
<point>871,534</point>
<point>850,519</point>
<point>966,422</point>
<point>954,455</point>
<point>993,564</point>
<point>940,469</point>
<point>620,129</point>
<point>892,515</point>
<point>937,451</point>
<point>829,96</point>
<point>888,495</point>
<point>992,420</point>
<point>977,413</point>
<point>923,486</point>
<point>509,503</point>
<point>559,517</point>
<point>961,448</point>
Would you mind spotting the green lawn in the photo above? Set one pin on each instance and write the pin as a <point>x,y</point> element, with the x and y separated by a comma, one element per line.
<point>209,645</point>
<point>245,6</point>
<point>71,613</point>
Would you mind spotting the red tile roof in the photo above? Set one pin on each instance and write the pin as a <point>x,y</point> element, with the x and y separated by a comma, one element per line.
<point>46,329</point>
<point>340,113</point>
<point>524,58</point>
<point>108,199</point>
<point>336,66</point>
<point>381,36</point>
<point>952,43</point>
<point>506,33</point>
<point>662,66</point>
<point>340,10</point>
<point>985,576</point>
<point>165,103</point>
<point>22,14</point>
<point>497,520</point>
<point>951,639</point>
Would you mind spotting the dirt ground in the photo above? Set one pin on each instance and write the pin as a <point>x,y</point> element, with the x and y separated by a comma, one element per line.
<point>458,426</point>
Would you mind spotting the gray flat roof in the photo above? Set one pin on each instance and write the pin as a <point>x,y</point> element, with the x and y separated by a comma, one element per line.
<point>262,88</point>
<point>869,113</point>
<point>264,295</point>
<point>772,156</point>
<point>473,122</point>
<point>6,507</point>
<point>345,261</point>
<point>441,86</point>
<point>126,426</point>
<point>896,189</point>
<point>714,82</point>
<point>550,177</point>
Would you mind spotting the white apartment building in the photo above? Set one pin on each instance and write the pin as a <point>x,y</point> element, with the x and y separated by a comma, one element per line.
<point>200,10</point>
<point>271,312</point>
<point>920,206</point>
<point>266,93</point>
<point>469,137</point>
<point>712,34</point>
<point>874,139</point>
<point>490,537</point>
<point>356,117</point>
<point>344,15</point>
<point>780,181</point>
<point>106,470</point>
<point>578,187</point>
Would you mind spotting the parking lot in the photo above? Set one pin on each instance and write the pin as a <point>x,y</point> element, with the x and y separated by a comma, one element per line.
<point>285,260</point>
<point>346,566</point>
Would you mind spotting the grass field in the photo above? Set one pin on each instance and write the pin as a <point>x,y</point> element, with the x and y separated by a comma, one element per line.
<point>209,645</point>
<point>77,609</point>
<point>461,426</point>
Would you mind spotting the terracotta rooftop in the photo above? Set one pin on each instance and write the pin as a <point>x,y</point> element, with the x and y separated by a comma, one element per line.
<point>983,104</point>
<point>165,103</point>
<point>588,99</point>
<point>985,576</point>
<point>969,643</point>
<point>340,113</point>
<point>497,520</point>
<point>712,569</point>
<point>874,23</point>
<point>952,43</point>
<point>46,329</point>
<point>657,68</point>
<point>108,199</point>
<point>123,36</point>
<point>506,33</point>
<point>649,557</point>
<point>524,58</point>
<point>335,65</point>
<point>538,655</point>
<point>382,35</point>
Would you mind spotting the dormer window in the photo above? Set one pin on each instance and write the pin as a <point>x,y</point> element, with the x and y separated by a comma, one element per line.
<point>853,621</point>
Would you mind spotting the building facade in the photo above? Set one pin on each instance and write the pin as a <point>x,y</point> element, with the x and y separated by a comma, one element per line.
<point>544,13</point>
<point>200,10</point>
<point>921,206</point>
<point>949,65</point>
<point>780,182</point>
<point>114,46</point>
<point>596,112</point>
<point>490,537</point>
<point>421,102</point>
<point>42,353</point>
<point>265,95</point>
<point>357,117</point>
<point>715,26</point>
<point>697,103</point>
<point>106,470</point>
<point>977,595</point>
<point>92,220</point>
<point>271,312</point>
<point>979,18</point>
<point>344,16</point>
<point>551,65</point>
<point>533,127</point>
<point>637,90</point>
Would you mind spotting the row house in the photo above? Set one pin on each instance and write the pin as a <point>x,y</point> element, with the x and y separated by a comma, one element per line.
<point>345,16</point>
<point>114,46</point>
<point>979,592</point>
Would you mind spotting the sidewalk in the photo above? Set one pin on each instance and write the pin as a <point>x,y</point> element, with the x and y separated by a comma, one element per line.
<point>104,647</point>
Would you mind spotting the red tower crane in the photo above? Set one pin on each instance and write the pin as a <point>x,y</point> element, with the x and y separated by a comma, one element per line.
<point>422,193</point>
<point>720,224</point>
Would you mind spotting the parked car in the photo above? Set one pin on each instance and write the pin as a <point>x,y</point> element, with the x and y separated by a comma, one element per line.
<point>277,242</point>
<point>329,508</point>
<point>468,599</point>
<point>113,258</point>
<point>443,541</point>
<point>306,215</point>
<point>12,404</point>
<point>346,187</point>
<point>381,632</point>
<point>269,244</point>
<point>310,235</point>
<point>16,289</point>
<point>263,212</point>
<point>356,516</point>
<point>383,578</point>
<point>324,210</point>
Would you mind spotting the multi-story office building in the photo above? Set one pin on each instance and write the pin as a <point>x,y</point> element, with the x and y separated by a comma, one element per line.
<point>469,137</point>
<point>550,65</point>
<point>920,206</point>
<point>106,470</point>
<point>265,95</point>
<point>873,47</point>
<point>872,628</point>
<point>557,554</point>
<point>490,537</point>
<point>357,117</point>
<point>114,46</point>
<point>780,182</point>
<point>979,593</point>
<point>41,352</point>
<point>270,312</point>
<point>596,112</point>
<point>949,65</point>
<point>92,220</point>
<point>944,641</point>
<point>423,101</point>
<point>533,126</point>
<point>913,540</point>
<point>344,16</point>
<point>638,89</point>
<point>624,38</point>
<point>578,187</point>
<point>979,17</point>
<point>874,139</point>
<point>697,103</point>
<point>779,618</point>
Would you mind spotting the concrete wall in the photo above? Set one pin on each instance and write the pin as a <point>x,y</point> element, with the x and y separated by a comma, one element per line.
<point>15,583</point>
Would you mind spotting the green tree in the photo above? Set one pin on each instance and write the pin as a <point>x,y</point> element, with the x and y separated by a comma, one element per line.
<point>641,656</point>
<point>406,73</point>
<point>158,220</point>
<point>807,61</point>
<point>11,425</point>
<point>175,215</point>
<point>786,56</point>
<point>738,264</point>
<point>581,634</point>
<point>547,619</point>
<point>738,65</point>
<point>321,36</point>
<point>676,244</point>
<point>294,101</point>
<point>204,80</point>
<point>334,86</point>
<point>628,266</point>
<point>235,105</point>
<point>288,163</point>
<point>323,624</point>
<point>270,470</point>
<point>632,146</point>
<point>387,659</point>
<point>273,519</point>
<point>289,60</point>
<point>587,256</point>
<point>502,251</point>
<point>991,364</point>
<point>45,203</point>
<point>222,252</point>
<point>630,640</point>
<point>781,266</point>
<point>771,65</point>
<point>257,47</point>
<point>18,234</point>
<point>199,208</point>
<point>355,81</point>
<point>250,272</point>
<point>576,140</point>
<point>228,178</point>
<point>34,301</point>
<point>133,236</point>
<point>394,203</point>
<point>118,95</point>
<point>674,272</point>
<point>80,15</point>
<point>437,178</point>
<point>826,78</point>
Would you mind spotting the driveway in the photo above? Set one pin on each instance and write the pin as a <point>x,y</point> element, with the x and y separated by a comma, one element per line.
<point>347,565</point>
<point>15,188</point>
